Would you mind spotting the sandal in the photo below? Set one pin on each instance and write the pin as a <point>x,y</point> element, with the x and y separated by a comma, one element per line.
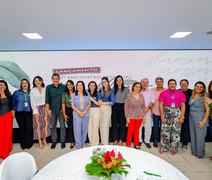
<point>172,153</point>
<point>71,145</point>
<point>115,143</point>
<point>40,144</point>
<point>194,154</point>
<point>161,151</point>
<point>44,142</point>
<point>199,157</point>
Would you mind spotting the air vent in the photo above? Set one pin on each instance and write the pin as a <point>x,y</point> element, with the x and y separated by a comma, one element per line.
<point>209,33</point>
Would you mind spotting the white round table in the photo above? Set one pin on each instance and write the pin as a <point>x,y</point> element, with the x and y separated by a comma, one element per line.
<point>72,165</point>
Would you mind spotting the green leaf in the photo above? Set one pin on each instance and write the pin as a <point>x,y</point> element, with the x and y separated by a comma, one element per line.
<point>127,165</point>
<point>108,172</point>
<point>94,158</point>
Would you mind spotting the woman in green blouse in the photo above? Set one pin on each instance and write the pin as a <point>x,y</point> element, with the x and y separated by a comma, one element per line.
<point>209,101</point>
<point>68,111</point>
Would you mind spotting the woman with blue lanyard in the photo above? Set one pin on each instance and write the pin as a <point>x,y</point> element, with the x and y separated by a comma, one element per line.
<point>23,114</point>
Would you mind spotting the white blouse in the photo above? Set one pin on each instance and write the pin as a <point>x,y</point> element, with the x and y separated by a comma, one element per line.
<point>37,98</point>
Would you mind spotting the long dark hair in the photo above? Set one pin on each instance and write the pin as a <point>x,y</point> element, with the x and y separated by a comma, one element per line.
<point>7,94</point>
<point>209,90</point>
<point>84,91</point>
<point>40,79</point>
<point>107,91</point>
<point>95,90</point>
<point>73,90</point>
<point>115,87</point>
<point>27,82</point>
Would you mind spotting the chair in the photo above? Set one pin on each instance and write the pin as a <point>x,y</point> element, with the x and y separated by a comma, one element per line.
<point>18,166</point>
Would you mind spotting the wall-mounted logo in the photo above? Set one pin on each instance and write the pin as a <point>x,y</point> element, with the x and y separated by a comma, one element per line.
<point>77,70</point>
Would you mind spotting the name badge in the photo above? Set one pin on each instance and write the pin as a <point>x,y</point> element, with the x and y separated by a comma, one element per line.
<point>26,104</point>
<point>173,105</point>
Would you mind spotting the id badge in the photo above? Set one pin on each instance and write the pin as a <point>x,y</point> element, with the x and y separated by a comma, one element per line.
<point>173,105</point>
<point>26,104</point>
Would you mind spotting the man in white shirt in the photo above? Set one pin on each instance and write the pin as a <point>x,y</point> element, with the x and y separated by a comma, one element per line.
<point>149,99</point>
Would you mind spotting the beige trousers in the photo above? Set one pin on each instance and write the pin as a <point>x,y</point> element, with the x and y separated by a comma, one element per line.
<point>105,119</point>
<point>93,126</point>
<point>148,128</point>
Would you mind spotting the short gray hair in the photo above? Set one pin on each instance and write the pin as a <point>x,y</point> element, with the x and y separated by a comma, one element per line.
<point>159,78</point>
<point>144,79</point>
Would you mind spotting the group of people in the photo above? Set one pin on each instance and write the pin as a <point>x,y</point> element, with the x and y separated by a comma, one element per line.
<point>180,113</point>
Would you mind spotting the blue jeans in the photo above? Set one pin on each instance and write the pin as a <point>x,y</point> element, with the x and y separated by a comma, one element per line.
<point>156,124</point>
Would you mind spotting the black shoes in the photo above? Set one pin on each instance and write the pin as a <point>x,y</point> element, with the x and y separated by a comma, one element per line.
<point>28,146</point>
<point>155,144</point>
<point>23,147</point>
<point>147,145</point>
<point>53,146</point>
<point>137,147</point>
<point>63,145</point>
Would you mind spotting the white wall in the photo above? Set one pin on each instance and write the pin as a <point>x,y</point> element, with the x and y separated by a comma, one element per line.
<point>133,65</point>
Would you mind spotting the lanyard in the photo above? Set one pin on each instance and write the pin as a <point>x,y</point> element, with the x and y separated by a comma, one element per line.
<point>173,96</point>
<point>25,96</point>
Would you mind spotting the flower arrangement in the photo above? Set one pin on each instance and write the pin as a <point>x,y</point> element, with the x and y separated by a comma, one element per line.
<point>106,163</point>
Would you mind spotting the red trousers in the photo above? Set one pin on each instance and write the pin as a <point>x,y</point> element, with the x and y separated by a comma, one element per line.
<point>6,129</point>
<point>133,128</point>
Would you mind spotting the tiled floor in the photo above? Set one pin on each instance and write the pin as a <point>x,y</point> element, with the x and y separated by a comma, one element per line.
<point>192,167</point>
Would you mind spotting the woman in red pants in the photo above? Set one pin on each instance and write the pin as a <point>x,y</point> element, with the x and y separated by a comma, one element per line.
<point>134,113</point>
<point>6,120</point>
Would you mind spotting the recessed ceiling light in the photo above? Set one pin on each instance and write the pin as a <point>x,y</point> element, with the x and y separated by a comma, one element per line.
<point>33,35</point>
<point>180,34</point>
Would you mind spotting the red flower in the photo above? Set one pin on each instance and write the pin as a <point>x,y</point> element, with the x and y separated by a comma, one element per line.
<point>119,156</point>
<point>109,154</point>
<point>112,153</point>
<point>107,157</point>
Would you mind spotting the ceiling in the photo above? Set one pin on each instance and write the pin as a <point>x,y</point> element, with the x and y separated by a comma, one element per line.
<point>105,24</point>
